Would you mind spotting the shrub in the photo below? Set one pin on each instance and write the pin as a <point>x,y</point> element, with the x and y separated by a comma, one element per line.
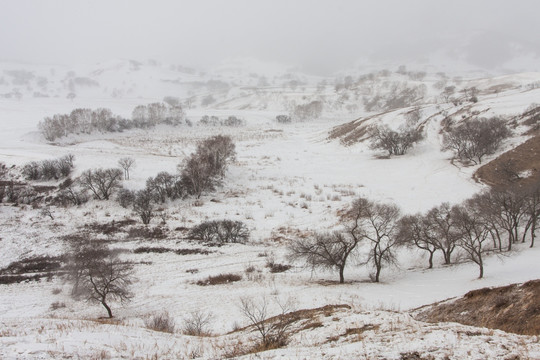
<point>223,231</point>
<point>219,279</point>
<point>283,119</point>
<point>197,323</point>
<point>160,322</point>
<point>125,197</point>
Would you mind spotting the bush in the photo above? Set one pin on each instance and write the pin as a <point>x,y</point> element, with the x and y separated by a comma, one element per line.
<point>160,322</point>
<point>395,142</point>
<point>221,232</point>
<point>125,197</point>
<point>219,279</point>
<point>283,119</point>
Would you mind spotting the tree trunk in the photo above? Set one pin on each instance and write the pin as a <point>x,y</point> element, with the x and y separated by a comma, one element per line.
<point>108,308</point>
<point>378,272</point>
<point>431,259</point>
<point>481,265</point>
<point>341,277</point>
<point>446,257</point>
<point>533,229</point>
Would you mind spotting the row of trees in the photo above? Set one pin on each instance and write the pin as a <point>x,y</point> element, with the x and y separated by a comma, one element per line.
<point>86,121</point>
<point>231,121</point>
<point>489,222</point>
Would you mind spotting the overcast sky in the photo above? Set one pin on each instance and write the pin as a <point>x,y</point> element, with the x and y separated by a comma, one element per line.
<point>320,36</point>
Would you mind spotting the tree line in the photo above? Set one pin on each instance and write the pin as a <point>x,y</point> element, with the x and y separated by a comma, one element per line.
<point>490,221</point>
<point>87,121</point>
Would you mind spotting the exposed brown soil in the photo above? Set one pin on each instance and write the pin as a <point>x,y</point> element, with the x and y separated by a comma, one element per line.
<point>514,308</point>
<point>505,170</point>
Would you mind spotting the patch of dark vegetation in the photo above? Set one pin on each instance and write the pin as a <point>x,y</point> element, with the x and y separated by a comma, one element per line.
<point>277,267</point>
<point>514,308</point>
<point>110,228</point>
<point>161,250</point>
<point>31,269</point>
<point>219,279</point>
<point>220,232</point>
<point>414,355</point>
<point>147,233</point>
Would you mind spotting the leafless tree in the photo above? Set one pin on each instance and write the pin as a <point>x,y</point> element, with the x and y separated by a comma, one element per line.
<point>473,234</point>
<point>101,182</point>
<point>442,230</point>
<point>197,323</point>
<point>272,331</point>
<point>395,142</point>
<point>474,139</point>
<point>532,209</point>
<point>380,226</point>
<point>417,231</point>
<point>126,163</point>
<point>325,250</point>
<point>504,210</point>
<point>82,254</point>
<point>108,279</point>
<point>143,205</point>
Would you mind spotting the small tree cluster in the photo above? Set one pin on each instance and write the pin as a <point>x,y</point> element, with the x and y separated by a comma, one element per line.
<point>87,121</point>
<point>364,220</point>
<point>395,142</point>
<point>220,232</point>
<point>82,121</point>
<point>146,116</point>
<point>200,172</point>
<point>231,121</point>
<point>473,139</point>
<point>49,169</point>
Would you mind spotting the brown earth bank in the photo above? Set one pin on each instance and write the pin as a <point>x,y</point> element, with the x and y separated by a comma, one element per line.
<point>513,308</point>
<point>517,167</point>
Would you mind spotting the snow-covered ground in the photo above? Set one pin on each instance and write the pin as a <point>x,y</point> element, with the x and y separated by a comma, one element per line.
<point>284,178</point>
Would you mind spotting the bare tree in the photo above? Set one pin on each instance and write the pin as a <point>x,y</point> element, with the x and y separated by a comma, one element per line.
<point>416,230</point>
<point>395,142</point>
<point>272,331</point>
<point>82,253</point>
<point>474,139</point>
<point>126,163</point>
<point>473,233</point>
<point>325,250</point>
<point>197,323</point>
<point>442,230</point>
<point>101,182</point>
<point>380,225</point>
<point>532,209</point>
<point>143,205</point>
<point>504,210</point>
<point>109,279</point>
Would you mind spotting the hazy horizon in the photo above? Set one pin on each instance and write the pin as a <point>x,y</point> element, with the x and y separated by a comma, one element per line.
<point>318,36</point>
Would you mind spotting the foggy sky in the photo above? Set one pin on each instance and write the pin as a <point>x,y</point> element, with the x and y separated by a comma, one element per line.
<point>319,36</point>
